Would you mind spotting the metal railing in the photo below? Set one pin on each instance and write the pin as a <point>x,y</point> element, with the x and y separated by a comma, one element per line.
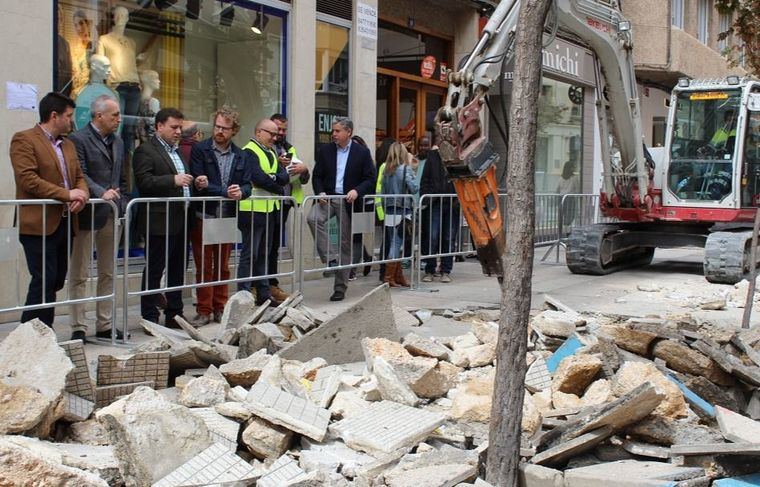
<point>343,239</point>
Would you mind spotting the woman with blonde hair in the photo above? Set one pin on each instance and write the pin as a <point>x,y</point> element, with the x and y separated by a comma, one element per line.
<point>397,179</point>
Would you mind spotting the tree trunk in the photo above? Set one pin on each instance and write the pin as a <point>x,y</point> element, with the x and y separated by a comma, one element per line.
<point>506,411</point>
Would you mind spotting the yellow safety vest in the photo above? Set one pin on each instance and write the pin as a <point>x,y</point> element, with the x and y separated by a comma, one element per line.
<point>378,190</point>
<point>261,205</point>
<point>295,182</point>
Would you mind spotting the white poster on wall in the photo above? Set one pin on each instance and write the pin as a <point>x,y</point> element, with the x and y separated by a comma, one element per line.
<point>20,96</point>
<point>366,21</point>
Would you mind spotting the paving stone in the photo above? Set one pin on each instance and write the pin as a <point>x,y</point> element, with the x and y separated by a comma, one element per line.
<point>538,377</point>
<point>737,428</point>
<point>107,394</point>
<point>630,473</point>
<point>288,410</point>
<point>338,340</point>
<point>78,381</point>
<point>77,408</point>
<point>646,450</point>
<point>282,472</point>
<point>716,449</point>
<point>223,431</point>
<point>141,367</point>
<point>386,426</point>
<point>568,449</point>
<point>326,385</point>
<point>213,466</point>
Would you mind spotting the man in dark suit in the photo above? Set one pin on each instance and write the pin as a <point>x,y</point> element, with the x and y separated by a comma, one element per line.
<point>45,166</point>
<point>220,168</point>
<point>342,168</point>
<point>101,155</point>
<point>160,172</point>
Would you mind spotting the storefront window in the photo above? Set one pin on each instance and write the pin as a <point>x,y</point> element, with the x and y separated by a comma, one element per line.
<point>195,56</point>
<point>559,149</point>
<point>408,51</point>
<point>331,79</point>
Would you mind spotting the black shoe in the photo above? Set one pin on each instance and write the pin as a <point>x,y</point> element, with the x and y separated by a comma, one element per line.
<point>337,296</point>
<point>352,275</point>
<point>367,270</point>
<point>78,335</point>
<point>172,323</point>
<point>218,316</point>
<point>106,334</point>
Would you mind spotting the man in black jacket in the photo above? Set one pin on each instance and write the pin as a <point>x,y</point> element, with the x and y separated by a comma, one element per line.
<point>160,172</point>
<point>342,168</point>
<point>440,218</point>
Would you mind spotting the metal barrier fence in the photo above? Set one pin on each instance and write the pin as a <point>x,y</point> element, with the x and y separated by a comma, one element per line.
<point>75,246</point>
<point>343,239</point>
<point>214,227</point>
<point>342,235</point>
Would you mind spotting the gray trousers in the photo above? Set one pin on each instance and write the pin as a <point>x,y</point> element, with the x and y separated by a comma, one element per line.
<point>318,218</point>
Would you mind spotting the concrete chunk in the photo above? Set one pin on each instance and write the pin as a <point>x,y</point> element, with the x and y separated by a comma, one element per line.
<point>736,427</point>
<point>282,472</point>
<point>223,431</point>
<point>338,340</point>
<point>386,426</point>
<point>325,386</point>
<point>539,476</point>
<point>22,465</point>
<point>215,465</point>
<point>287,410</point>
<point>245,371</point>
<point>203,392</point>
<point>391,386</point>
<point>265,336</point>
<point>238,310</point>
<point>716,449</point>
<point>646,450</point>
<point>630,473</point>
<point>566,450</point>
<point>141,367</point>
<point>266,440</point>
<point>425,347</point>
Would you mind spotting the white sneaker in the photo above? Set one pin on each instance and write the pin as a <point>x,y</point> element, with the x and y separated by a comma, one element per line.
<point>445,277</point>
<point>427,278</point>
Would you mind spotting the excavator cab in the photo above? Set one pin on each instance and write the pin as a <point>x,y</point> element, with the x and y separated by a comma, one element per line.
<point>703,160</point>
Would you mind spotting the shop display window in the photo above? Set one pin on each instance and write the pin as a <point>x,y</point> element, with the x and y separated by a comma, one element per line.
<point>195,55</point>
<point>331,80</point>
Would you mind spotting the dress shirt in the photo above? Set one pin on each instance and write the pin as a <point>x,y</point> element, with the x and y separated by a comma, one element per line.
<point>56,143</point>
<point>224,159</point>
<point>340,167</point>
<point>177,160</point>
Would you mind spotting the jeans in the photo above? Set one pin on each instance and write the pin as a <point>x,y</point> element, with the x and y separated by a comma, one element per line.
<point>258,230</point>
<point>129,103</point>
<point>440,225</point>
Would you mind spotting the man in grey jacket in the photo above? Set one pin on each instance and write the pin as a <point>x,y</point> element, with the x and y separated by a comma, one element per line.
<point>101,155</point>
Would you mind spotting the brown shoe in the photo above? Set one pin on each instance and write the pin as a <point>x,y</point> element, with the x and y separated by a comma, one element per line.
<point>390,274</point>
<point>399,278</point>
<point>278,294</point>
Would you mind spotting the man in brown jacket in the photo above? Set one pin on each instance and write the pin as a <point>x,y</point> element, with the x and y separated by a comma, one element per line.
<point>45,166</point>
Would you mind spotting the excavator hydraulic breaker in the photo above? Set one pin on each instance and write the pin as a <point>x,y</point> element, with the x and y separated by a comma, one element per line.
<point>479,198</point>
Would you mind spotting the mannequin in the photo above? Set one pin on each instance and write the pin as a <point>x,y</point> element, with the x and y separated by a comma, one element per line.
<point>149,105</point>
<point>99,69</point>
<point>81,50</point>
<point>121,50</point>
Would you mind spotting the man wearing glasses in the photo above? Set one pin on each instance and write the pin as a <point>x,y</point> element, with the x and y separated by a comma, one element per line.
<point>220,168</point>
<point>257,216</point>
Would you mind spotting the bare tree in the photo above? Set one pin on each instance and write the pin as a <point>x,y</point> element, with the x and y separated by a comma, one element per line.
<point>506,411</point>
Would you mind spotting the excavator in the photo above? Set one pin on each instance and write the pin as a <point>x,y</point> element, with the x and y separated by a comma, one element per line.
<point>704,192</point>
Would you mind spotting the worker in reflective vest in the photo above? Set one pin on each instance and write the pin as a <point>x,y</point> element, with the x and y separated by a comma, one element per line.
<point>258,214</point>
<point>298,173</point>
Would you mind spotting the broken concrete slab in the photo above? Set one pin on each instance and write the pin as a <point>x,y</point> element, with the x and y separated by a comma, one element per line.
<point>141,367</point>
<point>107,394</point>
<point>556,323</point>
<point>630,473</point>
<point>325,385</point>
<point>391,386</point>
<point>560,453</point>
<point>284,471</point>
<point>88,432</point>
<point>737,428</point>
<point>538,377</point>
<point>265,440</point>
<point>635,341</point>
<point>98,460</point>
<point>348,460</point>
<point>646,450</point>
<point>729,363</point>
<point>386,426</point>
<point>404,319</point>
<point>338,340</point>
<point>266,336</point>
<point>288,410</point>
<point>152,437</point>
<point>438,381</point>
<point>300,319</point>
<point>246,371</point>
<point>473,399</point>
<point>76,408</point>
<point>689,361</point>
<point>165,334</point>
<point>30,357</point>
<point>223,431</point>
<point>216,465</point>
<point>192,331</point>
<point>575,373</point>
<point>716,449</point>
<point>632,374</point>
<point>347,403</point>
<point>18,462</point>
<point>425,347</point>
<point>203,392</point>
<point>238,310</point>
<point>445,467</point>
<point>662,431</point>
<point>21,408</point>
<point>78,382</point>
<point>274,315</point>
<point>234,410</point>
<point>192,354</point>
<point>538,476</point>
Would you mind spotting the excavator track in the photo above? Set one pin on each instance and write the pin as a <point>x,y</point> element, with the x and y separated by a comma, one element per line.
<point>590,250</point>
<point>727,256</point>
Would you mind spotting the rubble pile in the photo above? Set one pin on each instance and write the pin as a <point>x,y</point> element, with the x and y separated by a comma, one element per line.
<point>608,401</point>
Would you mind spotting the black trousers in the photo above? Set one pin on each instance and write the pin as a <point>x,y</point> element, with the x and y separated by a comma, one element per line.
<point>54,259</point>
<point>279,223</point>
<point>258,232</point>
<point>159,247</point>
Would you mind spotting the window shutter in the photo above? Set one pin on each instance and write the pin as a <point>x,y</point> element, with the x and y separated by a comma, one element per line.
<point>337,8</point>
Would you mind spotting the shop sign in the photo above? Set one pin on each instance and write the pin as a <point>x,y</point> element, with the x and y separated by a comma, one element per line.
<point>427,66</point>
<point>323,124</point>
<point>366,21</point>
